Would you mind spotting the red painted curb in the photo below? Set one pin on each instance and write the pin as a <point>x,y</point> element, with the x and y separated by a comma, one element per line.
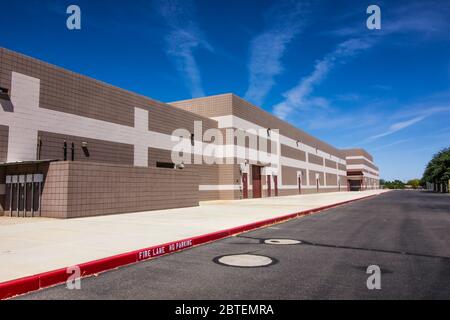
<point>43,280</point>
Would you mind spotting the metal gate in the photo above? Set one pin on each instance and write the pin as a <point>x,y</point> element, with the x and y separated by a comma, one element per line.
<point>24,195</point>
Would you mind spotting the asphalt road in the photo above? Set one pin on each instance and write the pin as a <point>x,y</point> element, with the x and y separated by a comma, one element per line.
<point>405,233</point>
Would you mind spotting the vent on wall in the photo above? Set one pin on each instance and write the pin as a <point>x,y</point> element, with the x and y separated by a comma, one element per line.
<point>167,165</point>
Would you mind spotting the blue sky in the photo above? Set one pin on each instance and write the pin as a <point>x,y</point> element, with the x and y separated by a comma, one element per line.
<point>313,63</point>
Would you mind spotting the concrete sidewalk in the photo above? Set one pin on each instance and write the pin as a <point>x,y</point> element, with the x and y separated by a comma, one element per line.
<point>31,246</point>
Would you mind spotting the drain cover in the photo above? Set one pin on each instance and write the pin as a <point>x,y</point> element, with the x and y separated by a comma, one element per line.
<point>245,260</point>
<point>281,241</point>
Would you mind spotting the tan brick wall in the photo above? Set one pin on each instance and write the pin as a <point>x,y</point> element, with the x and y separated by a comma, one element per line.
<point>361,161</point>
<point>229,174</point>
<point>158,155</point>
<point>99,151</point>
<point>289,175</point>
<point>212,195</point>
<point>251,141</point>
<point>342,167</point>
<point>3,143</point>
<point>343,183</point>
<point>292,153</point>
<point>209,174</point>
<point>230,104</point>
<point>81,189</point>
<point>331,179</point>
<point>66,91</point>
<point>312,158</point>
<point>248,140</point>
<point>100,189</point>
<point>165,119</point>
<point>245,110</point>
<point>330,164</point>
<point>292,192</point>
<point>55,192</point>
<point>357,152</point>
<point>312,178</point>
<point>69,92</point>
<point>215,106</point>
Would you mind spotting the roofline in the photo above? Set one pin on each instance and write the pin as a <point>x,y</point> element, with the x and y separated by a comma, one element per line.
<point>99,81</point>
<point>266,112</point>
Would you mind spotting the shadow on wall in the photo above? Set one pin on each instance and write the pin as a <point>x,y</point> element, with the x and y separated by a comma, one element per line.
<point>5,101</point>
<point>2,190</point>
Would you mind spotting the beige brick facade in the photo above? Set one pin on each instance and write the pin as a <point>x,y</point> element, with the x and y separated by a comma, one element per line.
<point>4,130</point>
<point>123,146</point>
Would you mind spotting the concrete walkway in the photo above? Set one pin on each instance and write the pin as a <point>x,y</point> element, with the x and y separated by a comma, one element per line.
<point>31,246</point>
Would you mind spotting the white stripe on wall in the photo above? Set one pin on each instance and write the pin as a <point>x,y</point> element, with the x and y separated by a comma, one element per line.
<point>231,187</point>
<point>232,121</point>
<point>360,158</point>
<point>28,118</point>
<point>218,187</point>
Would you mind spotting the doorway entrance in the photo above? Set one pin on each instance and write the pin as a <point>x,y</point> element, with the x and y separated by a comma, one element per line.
<point>256,181</point>
<point>23,195</point>
<point>299,185</point>
<point>245,185</point>
<point>275,185</point>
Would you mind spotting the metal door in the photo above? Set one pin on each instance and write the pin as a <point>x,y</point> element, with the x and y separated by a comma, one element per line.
<point>245,185</point>
<point>275,183</point>
<point>256,181</point>
<point>299,185</point>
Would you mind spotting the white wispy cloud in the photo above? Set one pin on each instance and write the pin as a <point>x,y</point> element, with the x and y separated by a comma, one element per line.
<point>348,97</point>
<point>397,127</point>
<point>183,39</point>
<point>299,96</point>
<point>392,144</point>
<point>419,18</point>
<point>268,48</point>
<point>418,113</point>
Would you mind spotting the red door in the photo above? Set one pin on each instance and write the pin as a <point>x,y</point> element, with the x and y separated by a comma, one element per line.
<point>256,181</point>
<point>275,182</point>
<point>299,185</point>
<point>245,185</point>
<point>269,186</point>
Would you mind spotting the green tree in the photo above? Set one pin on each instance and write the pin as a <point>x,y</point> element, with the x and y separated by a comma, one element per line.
<point>396,184</point>
<point>438,169</point>
<point>414,183</point>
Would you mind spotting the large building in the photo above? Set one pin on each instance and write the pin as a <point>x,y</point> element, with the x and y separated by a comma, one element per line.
<point>71,146</point>
<point>362,173</point>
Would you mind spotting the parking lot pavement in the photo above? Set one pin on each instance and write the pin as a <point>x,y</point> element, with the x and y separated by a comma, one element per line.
<point>405,233</point>
<point>43,245</point>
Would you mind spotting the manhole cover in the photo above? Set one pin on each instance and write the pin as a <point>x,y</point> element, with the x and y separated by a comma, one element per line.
<point>281,241</point>
<point>245,260</point>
